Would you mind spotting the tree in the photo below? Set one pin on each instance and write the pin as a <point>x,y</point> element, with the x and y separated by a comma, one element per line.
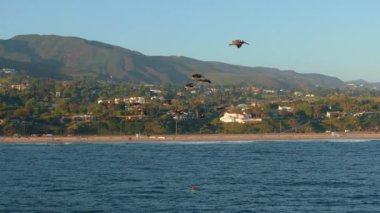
<point>154,127</point>
<point>22,113</point>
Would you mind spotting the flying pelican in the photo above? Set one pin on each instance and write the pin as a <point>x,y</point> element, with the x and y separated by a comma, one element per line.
<point>196,76</point>
<point>189,85</point>
<point>238,43</point>
<point>204,81</point>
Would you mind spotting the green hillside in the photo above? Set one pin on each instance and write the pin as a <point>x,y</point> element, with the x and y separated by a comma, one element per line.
<point>70,57</point>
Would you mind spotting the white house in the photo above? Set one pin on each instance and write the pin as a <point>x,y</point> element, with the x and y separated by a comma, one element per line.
<point>155,91</point>
<point>242,106</point>
<point>86,117</point>
<point>231,117</point>
<point>269,91</point>
<point>335,114</point>
<point>19,87</point>
<point>117,100</point>
<point>285,108</point>
<point>140,100</point>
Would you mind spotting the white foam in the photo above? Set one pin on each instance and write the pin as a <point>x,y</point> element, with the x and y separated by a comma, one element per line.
<point>350,140</point>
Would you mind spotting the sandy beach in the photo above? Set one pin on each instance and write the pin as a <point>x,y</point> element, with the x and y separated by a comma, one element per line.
<point>193,137</point>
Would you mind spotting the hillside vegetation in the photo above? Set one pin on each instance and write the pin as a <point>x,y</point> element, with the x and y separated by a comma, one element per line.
<point>58,57</point>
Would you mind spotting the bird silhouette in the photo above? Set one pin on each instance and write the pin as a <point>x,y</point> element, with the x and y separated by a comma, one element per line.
<point>238,43</point>
<point>196,76</point>
<point>189,86</point>
<point>204,80</point>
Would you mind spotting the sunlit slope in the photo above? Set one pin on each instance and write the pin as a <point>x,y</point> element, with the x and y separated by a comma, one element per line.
<point>70,57</point>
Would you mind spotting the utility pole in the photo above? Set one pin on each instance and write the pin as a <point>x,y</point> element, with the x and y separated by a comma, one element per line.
<point>330,119</point>
<point>121,121</point>
<point>176,126</point>
<point>24,124</point>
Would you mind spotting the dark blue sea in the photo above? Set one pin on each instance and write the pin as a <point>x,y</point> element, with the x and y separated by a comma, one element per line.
<point>309,176</point>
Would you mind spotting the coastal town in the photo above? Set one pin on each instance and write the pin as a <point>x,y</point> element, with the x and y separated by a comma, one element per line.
<point>46,107</point>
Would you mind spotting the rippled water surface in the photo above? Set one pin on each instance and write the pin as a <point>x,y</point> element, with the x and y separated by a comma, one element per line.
<point>323,176</point>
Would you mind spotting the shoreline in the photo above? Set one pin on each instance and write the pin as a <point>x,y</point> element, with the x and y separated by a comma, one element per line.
<point>194,137</point>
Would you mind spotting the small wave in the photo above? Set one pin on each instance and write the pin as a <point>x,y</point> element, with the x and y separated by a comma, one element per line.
<point>351,140</point>
<point>132,180</point>
<point>220,142</point>
<point>61,190</point>
<point>33,143</point>
<point>158,187</point>
<point>191,142</point>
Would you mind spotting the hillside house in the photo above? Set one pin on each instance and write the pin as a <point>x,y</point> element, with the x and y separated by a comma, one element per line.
<point>19,87</point>
<point>8,70</point>
<point>86,118</point>
<point>359,114</point>
<point>100,101</point>
<point>285,108</point>
<point>242,106</point>
<point>182,115</point>
<point>232,117</point>
<point>131,100</point>
<point>335,114</point>
<point>139,100</point>
<point>269,91</point>
<point>256,104</point>
<point>256,90</point>
<point>155,91</point>
<point>132,117</point>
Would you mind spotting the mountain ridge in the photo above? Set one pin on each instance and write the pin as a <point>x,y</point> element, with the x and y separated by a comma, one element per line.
<point>66,57</point>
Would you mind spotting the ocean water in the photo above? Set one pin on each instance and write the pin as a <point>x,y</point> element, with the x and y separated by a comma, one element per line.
<point>309,176</point>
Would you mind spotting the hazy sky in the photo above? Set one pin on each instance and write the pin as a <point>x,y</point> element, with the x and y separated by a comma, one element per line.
<point>333,37</point>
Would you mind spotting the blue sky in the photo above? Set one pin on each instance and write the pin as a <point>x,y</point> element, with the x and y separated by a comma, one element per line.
<point>338,38</point>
